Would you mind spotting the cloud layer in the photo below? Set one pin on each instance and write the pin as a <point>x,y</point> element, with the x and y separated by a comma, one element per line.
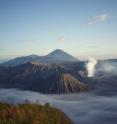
<point>82,108</point>
<point>98,19</point>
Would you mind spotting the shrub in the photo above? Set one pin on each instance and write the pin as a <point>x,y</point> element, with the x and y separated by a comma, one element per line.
<point>28,113</point>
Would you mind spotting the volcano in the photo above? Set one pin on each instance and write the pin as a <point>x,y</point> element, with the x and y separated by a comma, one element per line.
<point>56,56</point>
<point>44,78</point>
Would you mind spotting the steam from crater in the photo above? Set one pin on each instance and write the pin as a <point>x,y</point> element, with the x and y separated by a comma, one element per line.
<point>91,67</point>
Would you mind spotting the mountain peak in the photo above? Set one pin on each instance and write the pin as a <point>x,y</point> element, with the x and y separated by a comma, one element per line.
<point>57,51</point>
<point>59,54</point>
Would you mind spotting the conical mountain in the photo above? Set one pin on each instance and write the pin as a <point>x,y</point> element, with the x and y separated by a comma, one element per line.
<point>57,56</point>
<point>60,55</point>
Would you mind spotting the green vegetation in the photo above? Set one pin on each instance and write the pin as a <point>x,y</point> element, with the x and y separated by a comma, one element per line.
<point>31,114</point>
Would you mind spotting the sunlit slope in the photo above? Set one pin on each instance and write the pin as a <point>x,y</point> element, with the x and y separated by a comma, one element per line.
<point>31,114</point>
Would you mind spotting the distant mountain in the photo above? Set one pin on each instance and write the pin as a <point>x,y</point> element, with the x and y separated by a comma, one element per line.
<point>57,56</point>
<point>110,60</point>
<point>21,60</point>
<point>44,78</point>
<point>3,60</point>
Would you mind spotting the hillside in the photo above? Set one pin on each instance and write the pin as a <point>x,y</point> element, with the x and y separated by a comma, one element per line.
<point>44,78</point>
<point>31,114</point>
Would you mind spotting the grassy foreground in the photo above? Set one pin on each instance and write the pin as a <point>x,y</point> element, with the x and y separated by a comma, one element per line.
<point>31,114</point>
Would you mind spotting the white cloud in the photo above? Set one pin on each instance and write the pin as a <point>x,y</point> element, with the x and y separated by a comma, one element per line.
<point>98,19</point>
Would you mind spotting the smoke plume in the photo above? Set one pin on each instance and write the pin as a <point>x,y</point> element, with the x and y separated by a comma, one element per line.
<point>91,67</point>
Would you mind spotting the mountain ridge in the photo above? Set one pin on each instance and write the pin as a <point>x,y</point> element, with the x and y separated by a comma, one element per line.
<point>56,56</point>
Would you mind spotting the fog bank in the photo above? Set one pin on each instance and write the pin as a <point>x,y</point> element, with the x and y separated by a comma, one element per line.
<point>81,108</point>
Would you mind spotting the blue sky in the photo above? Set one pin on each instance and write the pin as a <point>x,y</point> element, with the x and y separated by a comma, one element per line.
<point>81,27</point>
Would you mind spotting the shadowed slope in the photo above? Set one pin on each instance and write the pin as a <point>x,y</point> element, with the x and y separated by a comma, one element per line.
<point>45,78</point>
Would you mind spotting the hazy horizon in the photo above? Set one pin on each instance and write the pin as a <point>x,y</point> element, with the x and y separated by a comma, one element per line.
<point>2,60</point>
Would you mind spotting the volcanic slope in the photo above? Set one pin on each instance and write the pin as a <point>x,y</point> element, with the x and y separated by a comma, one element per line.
<point>44,78</point>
